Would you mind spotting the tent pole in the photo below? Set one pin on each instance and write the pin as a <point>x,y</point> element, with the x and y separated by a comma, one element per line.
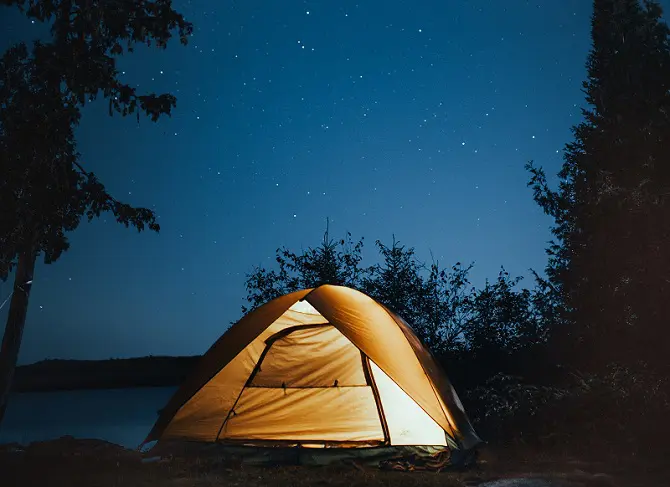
<point>375,392</point>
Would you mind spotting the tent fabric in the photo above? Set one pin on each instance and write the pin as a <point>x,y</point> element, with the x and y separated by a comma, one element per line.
<point>408,424</point>
<point>306,375</point>
<point>328,365</point>
<point>446,393</point>
<point>217,397</point>
<point>368,325</point>
<point>311,357</point>
<point>312,414</point>
<point>225,349</point>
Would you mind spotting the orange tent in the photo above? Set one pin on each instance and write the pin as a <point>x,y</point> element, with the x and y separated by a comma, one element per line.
<point>328,366</point>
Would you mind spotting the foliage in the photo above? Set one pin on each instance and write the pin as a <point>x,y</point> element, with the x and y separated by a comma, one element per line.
<point>396,281</point>
<point>45,190</point>
<point>444,308</point>
<point>503,320</point>
<point>617,409</point>
<point>611,212</point>
<point>499,405</point>
<point>332,262</point>
<point>603,298</point>
<point>446,313</point>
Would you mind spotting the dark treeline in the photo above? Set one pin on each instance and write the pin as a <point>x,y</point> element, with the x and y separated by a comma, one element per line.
<point>485,337</point>
<point>498,326</point>
<point>59,375</point>
<point>582,357</point>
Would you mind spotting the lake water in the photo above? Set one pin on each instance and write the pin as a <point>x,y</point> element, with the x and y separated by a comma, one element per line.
<point>122,416</point>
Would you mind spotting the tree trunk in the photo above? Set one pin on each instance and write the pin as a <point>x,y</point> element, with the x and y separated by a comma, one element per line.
<point>16,320</point>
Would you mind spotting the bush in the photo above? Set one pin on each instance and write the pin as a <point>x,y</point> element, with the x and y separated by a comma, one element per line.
<point>504,407</point>
<point>619,410</point>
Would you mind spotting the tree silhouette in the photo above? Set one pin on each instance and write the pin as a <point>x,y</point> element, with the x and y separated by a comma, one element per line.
<point>444,309</point>
<point>44,189</point>
<point>332,262</point>
<point>396,281</point>
<point>433,300</point>
<point>504,320</point>
<point>609,261</point>
<point>484,330</point>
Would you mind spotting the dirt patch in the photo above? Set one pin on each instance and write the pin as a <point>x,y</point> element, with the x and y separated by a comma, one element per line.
<point>94,463</point>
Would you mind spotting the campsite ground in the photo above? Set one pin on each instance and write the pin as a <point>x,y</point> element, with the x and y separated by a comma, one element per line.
<point>94,463</point>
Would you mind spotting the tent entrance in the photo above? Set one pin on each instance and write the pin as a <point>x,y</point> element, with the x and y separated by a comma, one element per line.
<point>312,386</point>
<point>309,386</point>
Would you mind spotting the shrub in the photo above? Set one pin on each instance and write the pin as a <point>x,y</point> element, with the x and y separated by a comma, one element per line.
<point>618,410</point>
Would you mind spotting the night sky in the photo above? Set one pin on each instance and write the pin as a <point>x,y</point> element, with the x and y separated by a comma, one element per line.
<point>389,117</point>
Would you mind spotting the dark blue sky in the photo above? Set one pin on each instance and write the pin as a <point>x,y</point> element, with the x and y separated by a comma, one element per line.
<point>390,117</point>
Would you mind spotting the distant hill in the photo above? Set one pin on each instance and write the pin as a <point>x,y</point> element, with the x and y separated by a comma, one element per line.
<point>54,375</point>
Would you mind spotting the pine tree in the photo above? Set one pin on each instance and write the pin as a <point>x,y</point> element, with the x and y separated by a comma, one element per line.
<point>609,262</point>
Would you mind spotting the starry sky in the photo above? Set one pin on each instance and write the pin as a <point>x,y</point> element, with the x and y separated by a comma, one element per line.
<point>388,117</point>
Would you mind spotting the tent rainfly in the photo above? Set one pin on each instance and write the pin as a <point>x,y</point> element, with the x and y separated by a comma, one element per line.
<point>327,367</point>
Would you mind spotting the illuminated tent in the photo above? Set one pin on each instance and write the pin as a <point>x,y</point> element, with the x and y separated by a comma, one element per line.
<point>324,367</point>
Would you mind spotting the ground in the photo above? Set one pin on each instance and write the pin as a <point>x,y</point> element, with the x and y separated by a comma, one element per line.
<point>94,463</point>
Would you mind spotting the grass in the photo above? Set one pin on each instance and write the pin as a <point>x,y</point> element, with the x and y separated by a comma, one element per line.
<point>93,463</point>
